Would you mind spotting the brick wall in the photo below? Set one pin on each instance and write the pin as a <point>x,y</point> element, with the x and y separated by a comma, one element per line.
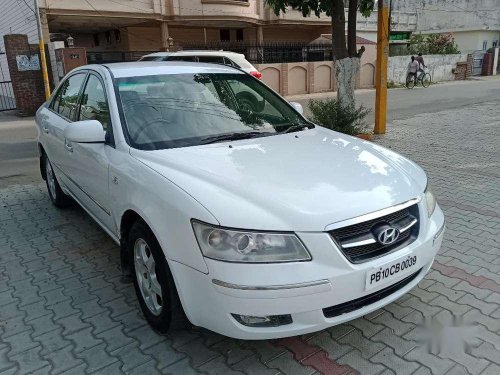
<point>461,71</point>
<point>470,61</point>
<point>27,85</point>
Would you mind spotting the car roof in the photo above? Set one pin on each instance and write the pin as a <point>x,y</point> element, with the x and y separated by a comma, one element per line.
<point>132,69</point>
<point>194,52</point>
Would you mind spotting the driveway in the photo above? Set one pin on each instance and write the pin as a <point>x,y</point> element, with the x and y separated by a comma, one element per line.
<point>65,309</point>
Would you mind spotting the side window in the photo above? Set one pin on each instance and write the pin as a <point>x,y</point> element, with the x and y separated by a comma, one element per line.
<point>66,100</point>
<point>230,62</point>
<point>211,59</point>
<point>57,98</point>
<point>181,58</point>
<point>94,105</point>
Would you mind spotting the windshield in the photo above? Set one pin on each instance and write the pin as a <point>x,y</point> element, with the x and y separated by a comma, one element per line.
<point>180,110</point>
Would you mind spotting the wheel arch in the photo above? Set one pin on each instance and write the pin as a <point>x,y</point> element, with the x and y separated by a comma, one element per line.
<point>41,152</point>
<point>127,219</point>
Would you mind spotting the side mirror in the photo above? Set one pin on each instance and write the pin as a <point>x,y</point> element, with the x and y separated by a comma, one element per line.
<point>297,107</point>
<point>87,131</point>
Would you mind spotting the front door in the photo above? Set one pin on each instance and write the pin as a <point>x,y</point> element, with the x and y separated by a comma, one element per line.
<point>54,119</point>
<point>89,162</point>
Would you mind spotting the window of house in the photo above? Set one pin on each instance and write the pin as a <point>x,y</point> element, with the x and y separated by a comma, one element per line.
<point>96,40</point>
<point>94,105</point>
<point>225,35</point>
<point>239,35</point>
<point>495,43</point>
<point>108,37</point>
<point>118,36</point>
<point>66,100</point>
<point>485,45</point>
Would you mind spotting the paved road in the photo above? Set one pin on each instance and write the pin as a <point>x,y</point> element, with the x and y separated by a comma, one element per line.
<point>403,103</point>
<point>18,150</point>
<point>64,308</point>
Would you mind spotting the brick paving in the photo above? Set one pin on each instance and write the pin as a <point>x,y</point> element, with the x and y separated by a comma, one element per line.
<point>64,308</point>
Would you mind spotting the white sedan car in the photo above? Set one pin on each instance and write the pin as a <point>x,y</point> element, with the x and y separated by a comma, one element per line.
<point>253,224</point>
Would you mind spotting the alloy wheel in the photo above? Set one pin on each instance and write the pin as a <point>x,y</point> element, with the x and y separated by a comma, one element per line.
<point>51,180</point>
<point>145,271</point>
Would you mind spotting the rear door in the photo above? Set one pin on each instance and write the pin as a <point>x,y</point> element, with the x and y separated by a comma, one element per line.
<point>53,120</point>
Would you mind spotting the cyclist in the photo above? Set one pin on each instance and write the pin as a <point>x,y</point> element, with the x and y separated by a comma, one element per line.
<point>413,68</point>
<point>420,60</point>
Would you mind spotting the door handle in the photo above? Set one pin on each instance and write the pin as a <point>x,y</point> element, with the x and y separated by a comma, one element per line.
<point>68,146</point>
<point>46,130</point>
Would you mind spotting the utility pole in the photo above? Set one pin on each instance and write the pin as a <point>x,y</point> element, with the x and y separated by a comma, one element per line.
<point>381,69</point>
<point>45,74</point>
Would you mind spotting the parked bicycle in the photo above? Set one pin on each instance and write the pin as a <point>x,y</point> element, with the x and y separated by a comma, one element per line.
<point>424,78</point>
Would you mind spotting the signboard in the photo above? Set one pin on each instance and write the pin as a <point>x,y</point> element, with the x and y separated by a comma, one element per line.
<point>25,63</point>
<point>400,35</point>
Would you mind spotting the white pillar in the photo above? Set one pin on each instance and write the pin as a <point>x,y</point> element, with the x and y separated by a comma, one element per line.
<point>164,36</point>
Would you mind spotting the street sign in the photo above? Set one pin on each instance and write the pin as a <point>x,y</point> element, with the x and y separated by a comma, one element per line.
<point>400,35</point>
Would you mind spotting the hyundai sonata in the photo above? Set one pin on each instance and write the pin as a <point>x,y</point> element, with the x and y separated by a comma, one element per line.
<point>249,221</point>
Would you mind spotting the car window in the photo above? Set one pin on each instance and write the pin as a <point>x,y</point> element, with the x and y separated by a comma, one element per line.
<point>94,105</point>
<point>66,100</point>
<point>181,58</point>
<point>211,59</point>
<point>230,62</point>
<point>150,58</point>
<point>180,110</point>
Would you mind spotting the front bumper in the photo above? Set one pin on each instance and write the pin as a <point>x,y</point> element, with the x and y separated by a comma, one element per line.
<point>302,290</point>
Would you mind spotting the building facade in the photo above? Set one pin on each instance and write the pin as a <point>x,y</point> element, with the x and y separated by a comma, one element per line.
<point>151,25</point>
<point>475,24</point>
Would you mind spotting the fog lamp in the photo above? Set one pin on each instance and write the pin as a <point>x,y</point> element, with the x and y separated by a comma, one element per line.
<point>263,321</point>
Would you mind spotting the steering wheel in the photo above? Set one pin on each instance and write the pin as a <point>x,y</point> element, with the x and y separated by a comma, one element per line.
<point>145,126</point>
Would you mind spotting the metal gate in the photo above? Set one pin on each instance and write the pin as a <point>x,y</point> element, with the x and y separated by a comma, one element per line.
<point>477,62</point>
<point>7,100</point>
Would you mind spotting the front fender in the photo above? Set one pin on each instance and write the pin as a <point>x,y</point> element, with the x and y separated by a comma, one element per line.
<point>165,207</point>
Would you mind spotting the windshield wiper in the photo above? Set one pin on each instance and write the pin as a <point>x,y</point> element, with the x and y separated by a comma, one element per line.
<point>295,128</point>
<point>233,137</point>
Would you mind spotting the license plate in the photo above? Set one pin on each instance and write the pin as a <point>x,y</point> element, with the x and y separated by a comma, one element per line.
<point>391,271</point>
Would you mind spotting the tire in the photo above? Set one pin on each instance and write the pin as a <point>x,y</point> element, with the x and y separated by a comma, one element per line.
<point>154,285</point>
<point>410,82</point>
<point>426,80</point>
<point>57,196</point>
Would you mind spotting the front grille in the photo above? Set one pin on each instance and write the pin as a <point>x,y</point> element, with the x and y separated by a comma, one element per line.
<point>371,248</point>
<point>347,307</point>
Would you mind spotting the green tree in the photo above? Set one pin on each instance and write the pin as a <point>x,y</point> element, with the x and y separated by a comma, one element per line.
<point>345,52</point>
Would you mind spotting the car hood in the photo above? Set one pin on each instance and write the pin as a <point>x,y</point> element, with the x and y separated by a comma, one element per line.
<point>300,181</point>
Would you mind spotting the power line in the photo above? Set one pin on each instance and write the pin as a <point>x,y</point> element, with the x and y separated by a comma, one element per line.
<point>27,5</point>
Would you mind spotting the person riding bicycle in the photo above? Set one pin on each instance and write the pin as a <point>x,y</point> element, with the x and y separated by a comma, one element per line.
<point>413,67</point>
<point>420,60</point>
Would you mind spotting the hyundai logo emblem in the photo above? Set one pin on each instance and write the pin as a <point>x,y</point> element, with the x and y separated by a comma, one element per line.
<point>388,235</point>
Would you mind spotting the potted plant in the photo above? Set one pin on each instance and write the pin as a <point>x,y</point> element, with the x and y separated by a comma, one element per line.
<point>331,114</point>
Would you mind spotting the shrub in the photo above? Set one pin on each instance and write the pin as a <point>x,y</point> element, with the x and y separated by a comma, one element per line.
<point>333,115</point>
<point>433,44</point>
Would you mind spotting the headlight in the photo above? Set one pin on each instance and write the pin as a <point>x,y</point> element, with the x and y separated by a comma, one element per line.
<point>430,200</point>
<point>233,245</point>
